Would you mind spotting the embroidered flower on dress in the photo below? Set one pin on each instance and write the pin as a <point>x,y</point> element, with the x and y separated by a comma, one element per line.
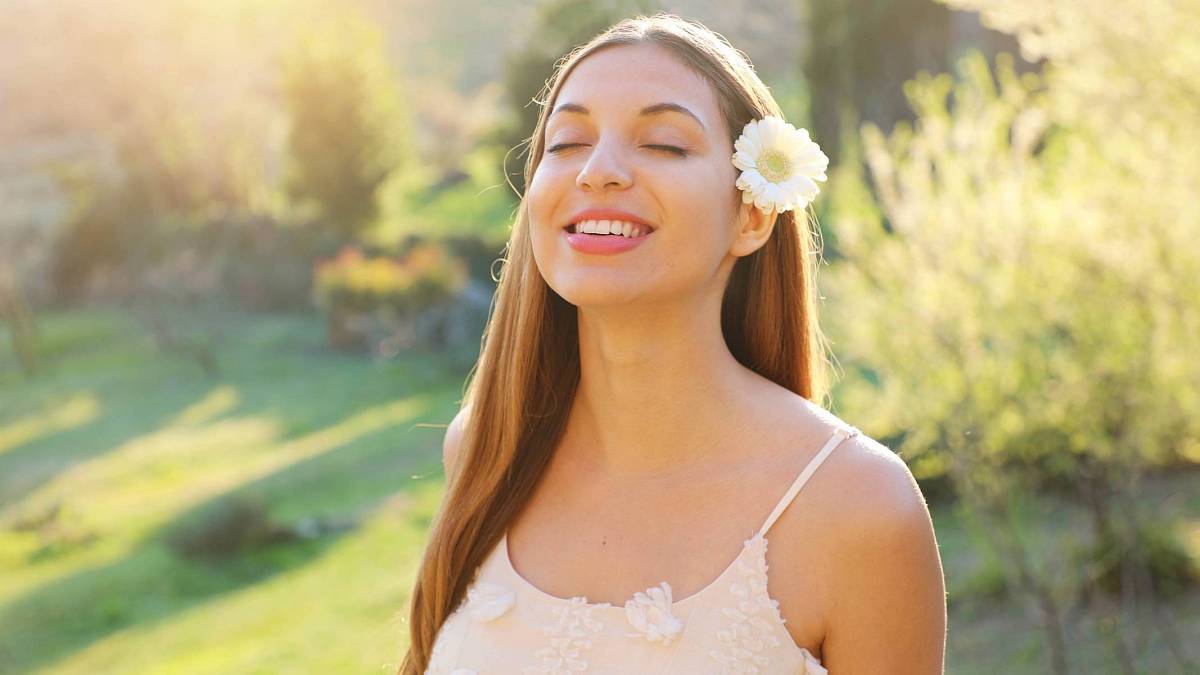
<point>488,601</point>
<point>568,638</point>
<point>750,626</point>
<point>650,613</point>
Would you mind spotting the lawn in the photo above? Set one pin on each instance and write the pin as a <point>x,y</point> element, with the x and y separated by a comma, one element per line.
<point>116,444</point>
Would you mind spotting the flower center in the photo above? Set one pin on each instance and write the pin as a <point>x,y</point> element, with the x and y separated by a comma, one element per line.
<point>774,166</point>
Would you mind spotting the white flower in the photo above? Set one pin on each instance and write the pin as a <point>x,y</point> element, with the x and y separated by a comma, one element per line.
<point>650,613</point>
<point>780,165</point>
<point>489,601</point>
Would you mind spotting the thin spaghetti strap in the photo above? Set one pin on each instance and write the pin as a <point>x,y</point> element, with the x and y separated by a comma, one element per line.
<point>838,435</point>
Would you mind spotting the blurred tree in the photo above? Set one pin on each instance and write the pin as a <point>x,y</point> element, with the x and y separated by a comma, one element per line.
<point>349,129</point>
<point>1049,307</point>
<point>860,52</point>
<point>163,181</point>
<point>558,26</point>
<point>14,312</point>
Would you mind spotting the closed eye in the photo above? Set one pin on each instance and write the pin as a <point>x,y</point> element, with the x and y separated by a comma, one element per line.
<point>670,148</point>
<point>667,148</point>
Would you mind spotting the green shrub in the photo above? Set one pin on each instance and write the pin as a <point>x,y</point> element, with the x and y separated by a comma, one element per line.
<point>988,583</point>
<point>233,525</point>
<point>1152,549</point>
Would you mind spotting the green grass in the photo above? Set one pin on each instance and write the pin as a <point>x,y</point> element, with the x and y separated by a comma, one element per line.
<point>115,444</point>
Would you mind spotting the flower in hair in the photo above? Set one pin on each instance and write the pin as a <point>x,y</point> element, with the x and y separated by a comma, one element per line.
<point>780,165</point>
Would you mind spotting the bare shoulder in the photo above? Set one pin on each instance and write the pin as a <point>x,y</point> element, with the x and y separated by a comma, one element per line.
<point>872,484</point>
<point>453,439</point>
<point>890,586</point>
<point>877,490</point>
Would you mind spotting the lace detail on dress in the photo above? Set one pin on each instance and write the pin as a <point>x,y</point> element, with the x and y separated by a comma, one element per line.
<point>732,626</point>
<point>569,638</point>
<point>487,601</point>
<point>650,614</point>
<point>438,658</point>
<point>750,622</point>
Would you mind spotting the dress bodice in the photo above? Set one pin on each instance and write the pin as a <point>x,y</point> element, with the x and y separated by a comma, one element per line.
<point>506,625</point>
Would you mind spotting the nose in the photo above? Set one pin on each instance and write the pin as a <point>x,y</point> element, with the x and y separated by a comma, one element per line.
<point>604,168</point>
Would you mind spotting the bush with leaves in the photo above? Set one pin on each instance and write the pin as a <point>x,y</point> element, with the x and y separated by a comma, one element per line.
<point>231,526</point>
<point>361,283</point>
<point>1025,285</point>
<point>357,289</point>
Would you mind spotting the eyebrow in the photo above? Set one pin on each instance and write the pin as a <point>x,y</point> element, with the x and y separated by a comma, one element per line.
<point>656,109</point>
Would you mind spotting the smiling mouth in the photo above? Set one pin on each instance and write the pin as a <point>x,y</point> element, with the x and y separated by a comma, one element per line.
<point>615,228</point>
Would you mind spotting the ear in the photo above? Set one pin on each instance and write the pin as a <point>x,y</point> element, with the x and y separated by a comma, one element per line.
<point>753,230</point>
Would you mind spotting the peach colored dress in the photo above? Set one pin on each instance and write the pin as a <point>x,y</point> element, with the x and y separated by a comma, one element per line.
<point>507,626</point>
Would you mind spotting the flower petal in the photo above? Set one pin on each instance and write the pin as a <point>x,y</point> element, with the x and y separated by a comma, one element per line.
<point>772,131</point>
<point>743,160</point>
<point>650,614</point>
<point>749,144</point>
<point>487,601</point>
<point>771,196</point>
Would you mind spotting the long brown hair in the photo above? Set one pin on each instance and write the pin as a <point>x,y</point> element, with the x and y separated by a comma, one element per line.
<point>521,388</point>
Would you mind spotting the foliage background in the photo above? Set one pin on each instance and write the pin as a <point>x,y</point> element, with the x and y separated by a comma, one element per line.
<point>247,248</point>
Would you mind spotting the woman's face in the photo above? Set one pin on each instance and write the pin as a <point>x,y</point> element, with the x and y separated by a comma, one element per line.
<point>604,149</point>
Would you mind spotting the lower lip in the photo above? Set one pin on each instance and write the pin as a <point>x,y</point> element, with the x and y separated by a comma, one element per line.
<point>603,244</point>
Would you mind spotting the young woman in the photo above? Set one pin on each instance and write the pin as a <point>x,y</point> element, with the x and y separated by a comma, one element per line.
<point>641,419</point>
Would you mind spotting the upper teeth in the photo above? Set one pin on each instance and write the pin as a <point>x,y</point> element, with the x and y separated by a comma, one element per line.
<point>609,227</point>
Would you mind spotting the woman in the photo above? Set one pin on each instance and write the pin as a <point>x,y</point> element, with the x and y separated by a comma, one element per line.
<point>641,415</point>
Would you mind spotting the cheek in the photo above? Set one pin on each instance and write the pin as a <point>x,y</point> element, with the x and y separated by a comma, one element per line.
<point>704,203</point>
<point>539,203</point>
<point>542,197</point>
<point>544,191</point>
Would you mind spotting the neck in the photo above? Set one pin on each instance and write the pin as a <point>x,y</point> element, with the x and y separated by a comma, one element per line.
<point>659,393</point>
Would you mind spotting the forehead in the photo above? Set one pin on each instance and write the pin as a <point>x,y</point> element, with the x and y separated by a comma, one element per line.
<point>623,79</point>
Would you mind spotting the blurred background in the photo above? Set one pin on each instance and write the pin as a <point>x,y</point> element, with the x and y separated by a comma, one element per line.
<point>247,249</point>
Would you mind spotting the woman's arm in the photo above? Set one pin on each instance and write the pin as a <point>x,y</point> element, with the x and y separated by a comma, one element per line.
<point>889,607</point>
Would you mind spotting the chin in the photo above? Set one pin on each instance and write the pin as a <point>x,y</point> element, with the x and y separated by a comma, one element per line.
<point>597,297</point>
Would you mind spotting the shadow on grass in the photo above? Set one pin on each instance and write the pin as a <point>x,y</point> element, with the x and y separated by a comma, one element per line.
<point>151,584</point>
<point>100,357</point>
<point>275,368</point>
<point>27,467</point>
